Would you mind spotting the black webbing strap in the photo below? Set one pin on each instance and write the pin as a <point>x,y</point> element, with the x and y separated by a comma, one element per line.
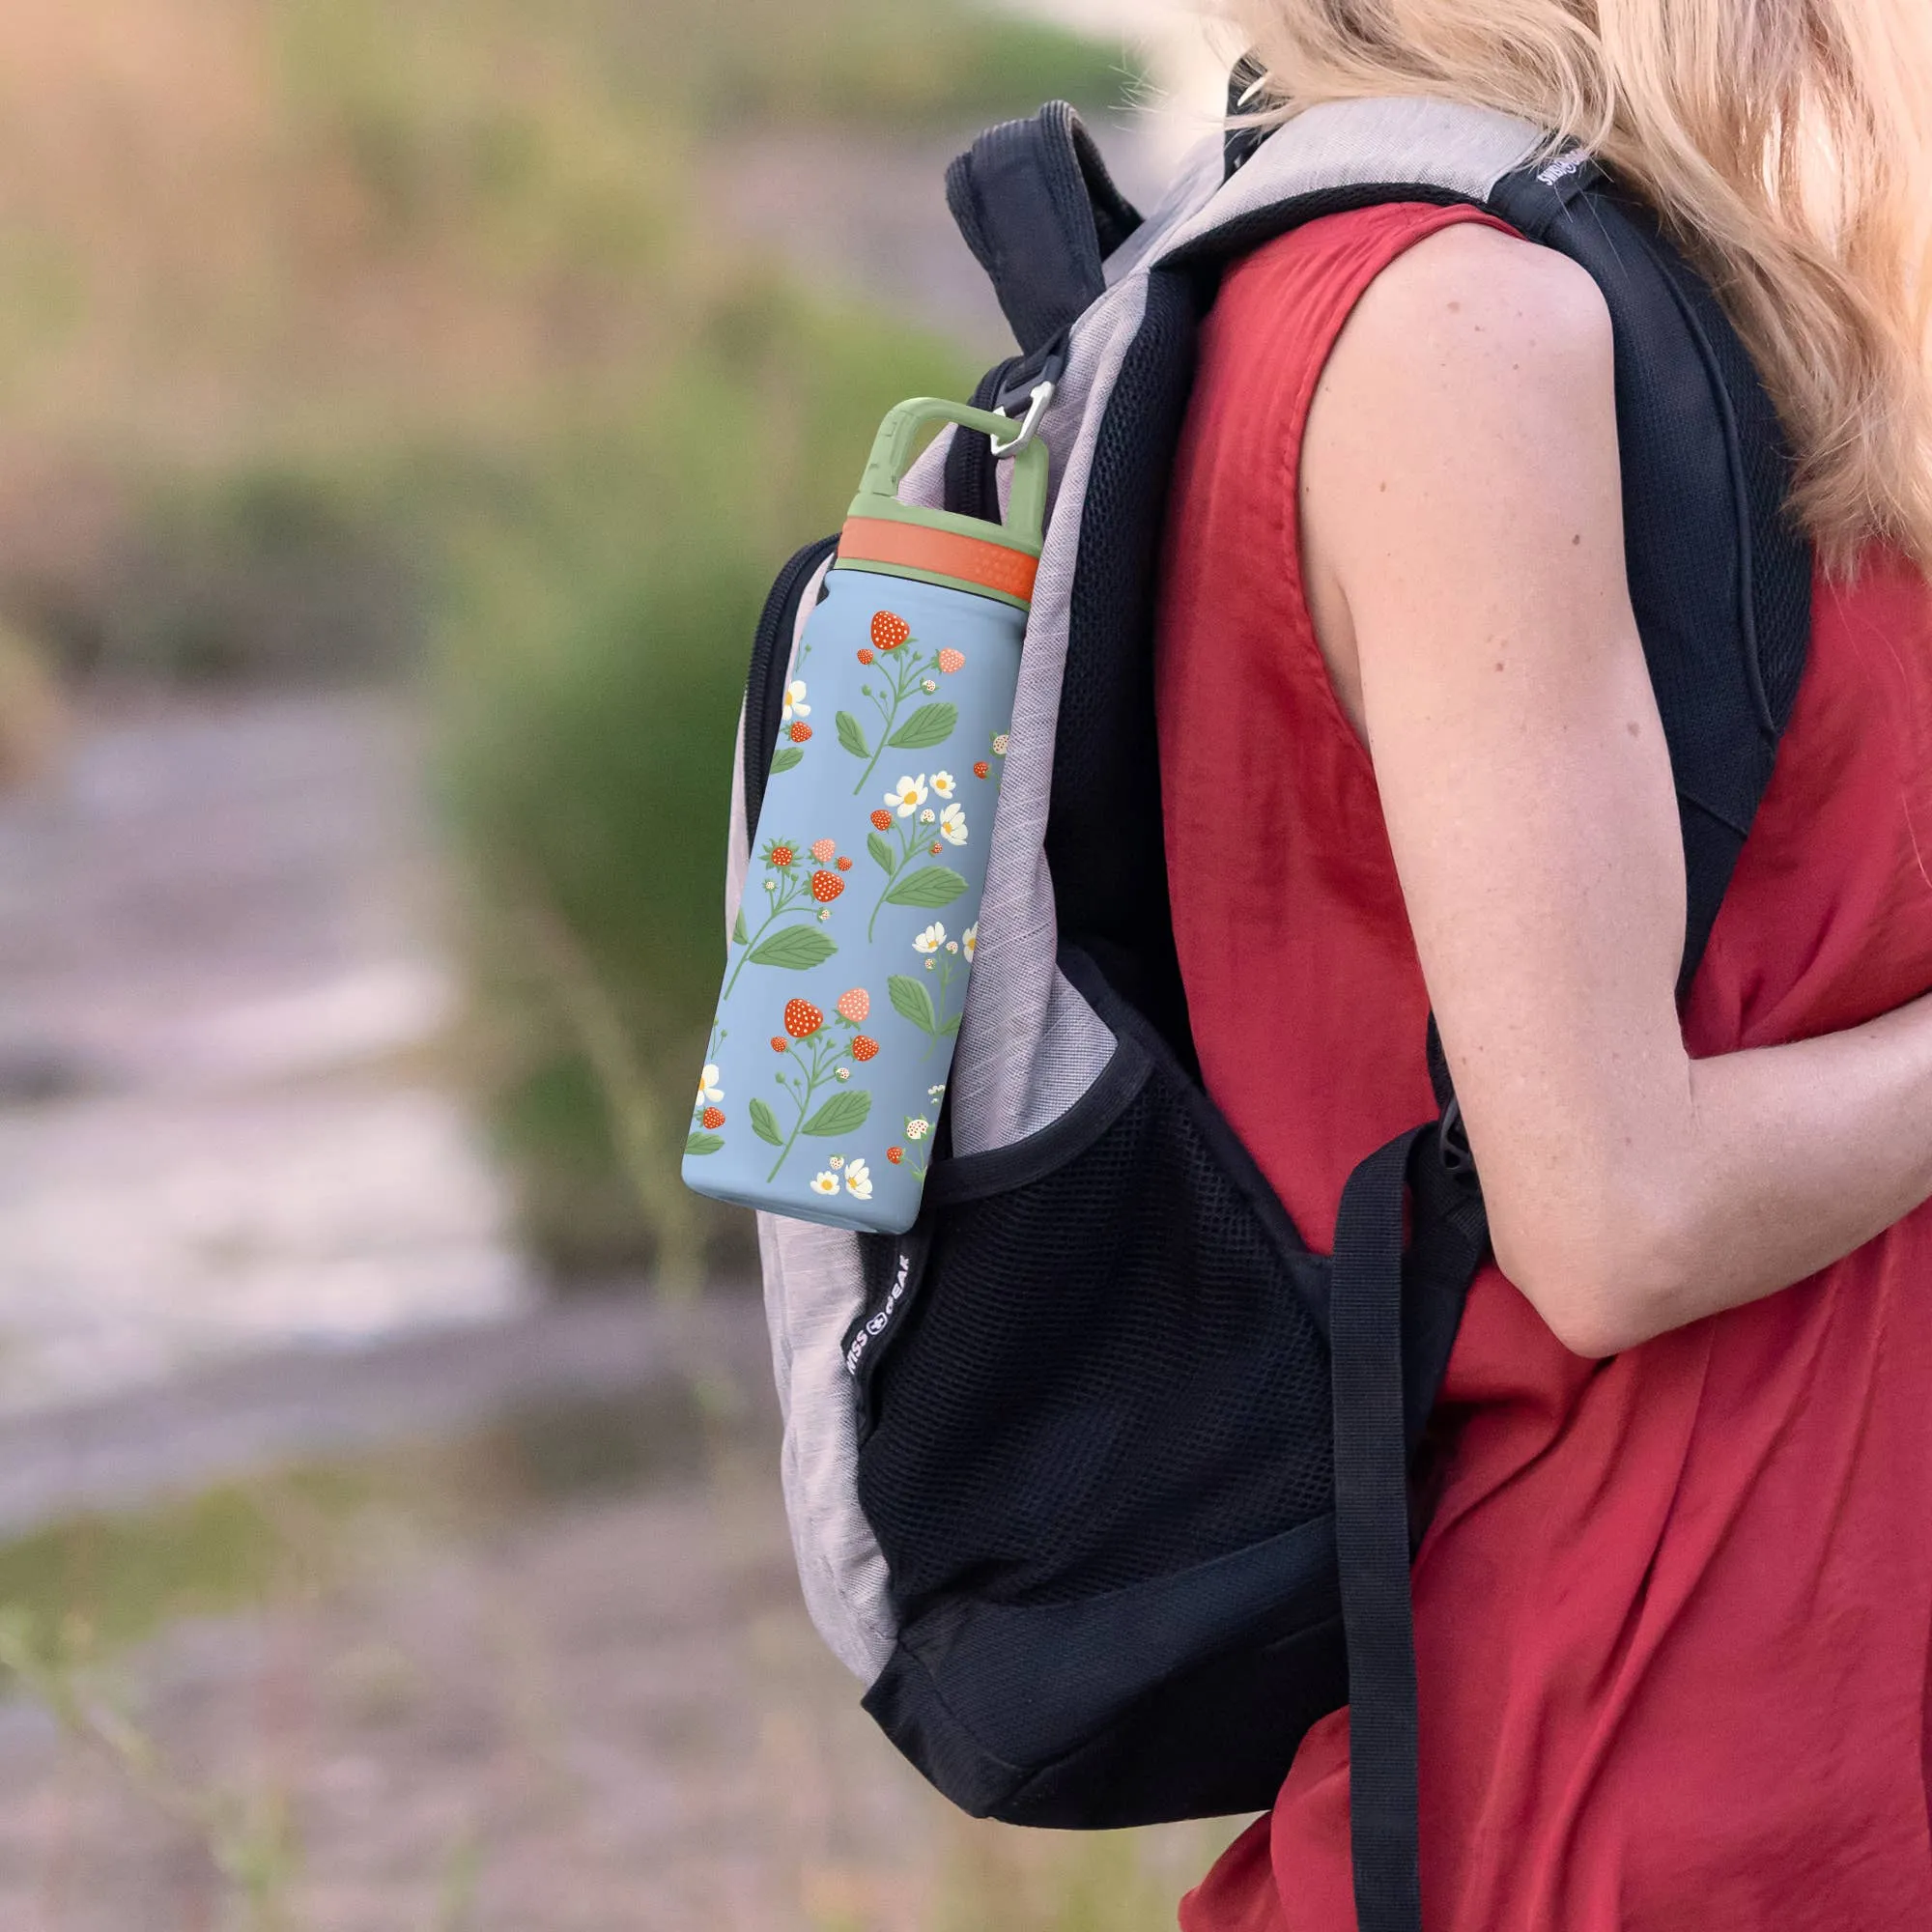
<point>1374,1296</point>
<point>1039,211</point>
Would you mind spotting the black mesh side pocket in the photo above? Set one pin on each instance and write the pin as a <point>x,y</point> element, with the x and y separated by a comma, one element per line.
<point>1104,1365</point>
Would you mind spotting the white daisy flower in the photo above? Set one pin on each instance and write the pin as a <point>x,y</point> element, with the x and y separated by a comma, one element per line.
<point>908,795</point>
<point>709,1092</point>
<point>933,1092</point>
<point>931,939</point>
<point>942,783</point>
<point>795,705</point>
<point>1000,746</point>
<point>952,824</point>
<point>969,941</point>
<point>825,1183</point>
<point>858,1181</point>
<point>917,1130</point>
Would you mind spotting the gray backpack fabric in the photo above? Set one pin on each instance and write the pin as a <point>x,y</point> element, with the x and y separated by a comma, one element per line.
<point>1097,1479</point>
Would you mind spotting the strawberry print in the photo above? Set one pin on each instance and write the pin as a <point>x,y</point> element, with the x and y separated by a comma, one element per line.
<point>826,887</point>
<point>865,657</point>
<point>800,733</point>
<point>780,1045</point>
<point>802,1019</point>
<point>844,864</point>
<point>854,1005</point>
<point>712,1119</point>
<point>896,1154</point>
<point>780,856</point>
<point>982,770</point>
<point>889,631</point>
<point>950,661</point>
<point>863,1047</point>
<point>882,820</point>
<point>822,850</point>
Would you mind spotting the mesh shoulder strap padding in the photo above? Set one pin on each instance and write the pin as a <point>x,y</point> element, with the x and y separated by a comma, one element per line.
<point>1037,206</point>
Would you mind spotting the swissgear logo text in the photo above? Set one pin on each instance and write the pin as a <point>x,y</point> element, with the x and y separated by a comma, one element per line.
<point>877,1326</point>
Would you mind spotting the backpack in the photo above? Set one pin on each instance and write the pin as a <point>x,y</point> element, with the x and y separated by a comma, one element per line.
<point>1100,1478</point>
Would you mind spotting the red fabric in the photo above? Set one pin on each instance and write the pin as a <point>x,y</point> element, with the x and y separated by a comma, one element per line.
<point>1673,1612</point>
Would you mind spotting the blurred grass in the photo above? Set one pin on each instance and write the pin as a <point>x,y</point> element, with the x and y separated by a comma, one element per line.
<point>350,334</point>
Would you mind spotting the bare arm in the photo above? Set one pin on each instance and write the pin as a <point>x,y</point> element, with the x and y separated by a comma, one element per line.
<point>1462,544</point>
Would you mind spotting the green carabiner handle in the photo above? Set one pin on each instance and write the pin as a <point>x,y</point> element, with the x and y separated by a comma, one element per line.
<point>898,443</point>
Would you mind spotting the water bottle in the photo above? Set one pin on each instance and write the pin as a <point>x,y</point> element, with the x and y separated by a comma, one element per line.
<point>852,949</point>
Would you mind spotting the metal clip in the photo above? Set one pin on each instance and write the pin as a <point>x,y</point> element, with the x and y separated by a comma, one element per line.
<point>1038,404</point>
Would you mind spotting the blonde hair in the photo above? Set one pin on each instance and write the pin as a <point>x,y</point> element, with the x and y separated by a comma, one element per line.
<point>1787,143</point>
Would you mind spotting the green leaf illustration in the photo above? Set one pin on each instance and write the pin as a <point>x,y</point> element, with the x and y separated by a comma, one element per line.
<point>765,1124</point>
<point>852,735</point>
<point>740,931</point>
<point>930,725</point>
<point>843,1114</point>
<point>785,758</point>
<point>881,849</point>
<point>703,1144</point>
<point>797,948</point>
<point>952,1025</point>
<point>930,888</point>
<point>911,1001</point>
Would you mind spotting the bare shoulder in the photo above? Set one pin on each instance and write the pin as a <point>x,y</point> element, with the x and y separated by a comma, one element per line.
<point>1477,368</point>
<point>1471,294</point>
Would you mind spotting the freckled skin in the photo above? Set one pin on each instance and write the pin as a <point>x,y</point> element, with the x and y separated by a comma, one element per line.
<point>1466,414</point>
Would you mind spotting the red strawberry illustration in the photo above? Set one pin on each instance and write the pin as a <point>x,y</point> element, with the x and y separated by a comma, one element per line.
<point>844,864</point>
<point>951,660</point>
<point>802,1019</point>
<point>855,1004</point>
<point>889,631</point>
<point>714,1118</point>
<point>982,770</point>
<point>823,849</point>
<point>896,1154</point>
<point>882,820</point>
<point>779,1045</point>
<point>865,657</point>
<point>799,731</point>
<point>826,887</point>
<point>780,856</point>
<point>863,1047</point>
<point>937,848</point>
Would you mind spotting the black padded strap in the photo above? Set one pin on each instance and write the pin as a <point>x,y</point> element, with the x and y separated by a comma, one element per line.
<point>1041,214</point>
<point>1380,1310</point>
<point>972,480</point>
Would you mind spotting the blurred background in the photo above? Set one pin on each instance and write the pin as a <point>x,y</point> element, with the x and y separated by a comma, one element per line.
<point>404,405</point>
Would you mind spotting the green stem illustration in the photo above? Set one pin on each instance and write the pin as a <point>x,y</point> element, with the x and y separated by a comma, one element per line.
<point>821,1072</point>
<point>906,678</point>
<point>790,891</point>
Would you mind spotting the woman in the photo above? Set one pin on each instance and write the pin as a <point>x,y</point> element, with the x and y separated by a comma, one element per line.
<point>1674,1599</point>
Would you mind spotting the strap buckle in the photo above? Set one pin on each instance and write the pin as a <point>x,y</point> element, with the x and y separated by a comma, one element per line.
<point>1452,1140</point>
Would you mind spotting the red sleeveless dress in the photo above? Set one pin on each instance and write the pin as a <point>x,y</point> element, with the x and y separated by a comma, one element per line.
<point>1673,1610</point>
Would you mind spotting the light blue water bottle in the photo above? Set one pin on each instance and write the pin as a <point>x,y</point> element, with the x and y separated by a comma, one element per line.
<point>851,956</point>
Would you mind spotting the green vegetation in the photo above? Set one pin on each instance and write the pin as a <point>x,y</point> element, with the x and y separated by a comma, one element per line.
<point>395,332</point>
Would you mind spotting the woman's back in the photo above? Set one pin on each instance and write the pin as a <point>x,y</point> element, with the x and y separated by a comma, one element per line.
<point>1673,1609</point>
